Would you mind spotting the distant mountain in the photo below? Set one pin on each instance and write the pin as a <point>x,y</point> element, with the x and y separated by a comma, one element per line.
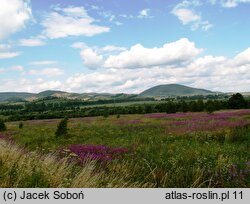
<point>14,96</point>
<point>174,90</point>
<point>24,96</point>
<point>58,94</point>
<point>18,96</point>
<point>49,93</point>
<point>160,91</point>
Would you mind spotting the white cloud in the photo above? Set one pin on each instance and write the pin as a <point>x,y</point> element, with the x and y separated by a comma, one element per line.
<point>49,72</point>
<point>90,56</point>
<point>186,16</point>
<point>14,15</point>
<point>93,57</point>
<point>38,63</point>
<point>185,12</point>
<point>78,81</point>
<point>48,85</point>
<point>31,42</point>
<point>217,73</point>
<point>74,11</point>
<point>27,85</point>
<point>100,50</point>
<point>233,3</point>
<point>124,80</point>
<point>112,48</point>
<point>243,57</point>
<point>144,14</point>
<point>8,55</point>
<point>229,3</point>
<point>138,56</point>
<point>71,21</point>
<point>79,45</point>
<point>189,3</point>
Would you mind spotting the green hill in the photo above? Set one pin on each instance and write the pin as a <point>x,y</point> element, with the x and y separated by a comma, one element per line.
<point>24,96</point>
<point>58,94</point>
<point>173,90</point>
<point>49,93</point>
<point>18,96</point>
<point>15,96</point>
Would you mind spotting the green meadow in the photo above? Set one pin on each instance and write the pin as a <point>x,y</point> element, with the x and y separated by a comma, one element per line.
<point>162,150</point>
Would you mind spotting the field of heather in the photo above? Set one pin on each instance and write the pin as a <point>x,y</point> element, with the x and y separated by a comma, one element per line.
<point>150,150</point>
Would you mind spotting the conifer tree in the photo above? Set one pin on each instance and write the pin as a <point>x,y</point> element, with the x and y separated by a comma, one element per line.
<point>62,128</point>
<point>2,125</point>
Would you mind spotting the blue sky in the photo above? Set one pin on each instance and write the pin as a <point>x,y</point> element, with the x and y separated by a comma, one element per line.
<point>124,45</point>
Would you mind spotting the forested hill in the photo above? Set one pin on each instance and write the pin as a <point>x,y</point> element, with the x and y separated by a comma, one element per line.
<point>174,90</point>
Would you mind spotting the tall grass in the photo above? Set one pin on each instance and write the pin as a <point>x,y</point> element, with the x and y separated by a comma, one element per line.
<point>19,168</point>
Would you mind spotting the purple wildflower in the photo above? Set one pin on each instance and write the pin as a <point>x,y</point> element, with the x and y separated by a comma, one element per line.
<point>2,136</point>
<point>198,116</point>
<point>100,153</point>
<point>125,122</point>
<point>233,171</point>
<point>192,122</point>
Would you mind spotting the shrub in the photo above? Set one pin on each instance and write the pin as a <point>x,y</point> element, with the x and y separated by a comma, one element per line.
<point>2,125</point>
<point>210,107</point>
<point>20,125</point>
<point>62,129</point>
<point>236,101</point>
<point>106,114</point>
<point>171,107</point>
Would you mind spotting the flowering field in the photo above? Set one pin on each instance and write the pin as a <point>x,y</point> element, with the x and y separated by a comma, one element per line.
<point>151,150</point>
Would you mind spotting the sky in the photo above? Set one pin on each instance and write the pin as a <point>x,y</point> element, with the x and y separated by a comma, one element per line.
<point>124,46</point>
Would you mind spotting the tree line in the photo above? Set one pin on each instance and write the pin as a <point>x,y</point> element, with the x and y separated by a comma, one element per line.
<point>42,110</point>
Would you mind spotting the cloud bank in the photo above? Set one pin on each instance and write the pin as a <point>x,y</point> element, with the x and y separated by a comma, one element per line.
<point>127,71</point>
<point>14,15</point>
